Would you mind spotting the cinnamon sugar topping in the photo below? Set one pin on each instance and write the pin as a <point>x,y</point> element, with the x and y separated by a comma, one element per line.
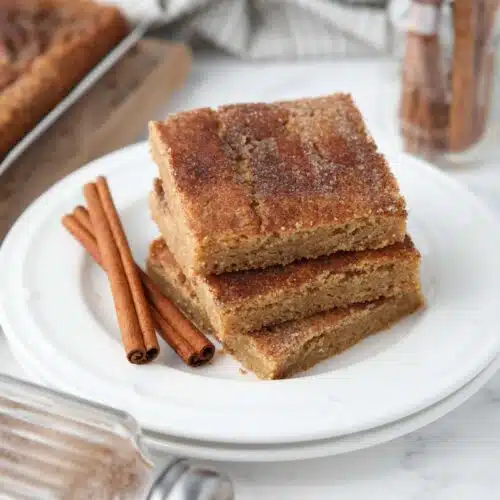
<point>305,162</point>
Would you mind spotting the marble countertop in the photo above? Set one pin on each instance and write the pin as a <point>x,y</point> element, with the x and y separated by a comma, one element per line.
<point>455,458</point>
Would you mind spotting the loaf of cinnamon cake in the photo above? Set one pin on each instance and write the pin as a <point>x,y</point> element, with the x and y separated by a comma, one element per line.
<point>255,185</point>
<point>46,48</point>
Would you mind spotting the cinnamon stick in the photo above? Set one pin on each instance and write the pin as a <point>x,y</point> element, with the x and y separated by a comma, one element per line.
<point>83,236</point>
<point>81,214</point>
<point>485,64</point>
<point>410,95</point>
<point>128,321</point>
<point>463,84</point>
<point>131,272</point>
<point>189,344</point>
<point>165,307</point>
<point>423,97</point>
<point>177,320</point>
<point>183,349</point>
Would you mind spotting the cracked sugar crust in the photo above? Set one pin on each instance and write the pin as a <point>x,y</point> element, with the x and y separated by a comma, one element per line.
<point>205,173</point>
<point>254,169</point>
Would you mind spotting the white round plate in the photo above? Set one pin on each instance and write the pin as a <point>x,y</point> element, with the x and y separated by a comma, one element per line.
<point>55,302</point>
<point>162,443</point>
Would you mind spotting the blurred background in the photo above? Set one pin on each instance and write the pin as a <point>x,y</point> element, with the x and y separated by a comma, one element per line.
<point>276,29</point>
<point>424,73</point>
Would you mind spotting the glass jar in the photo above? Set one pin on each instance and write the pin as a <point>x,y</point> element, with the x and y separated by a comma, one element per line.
<point>449,102</point>
<point>54,446</point>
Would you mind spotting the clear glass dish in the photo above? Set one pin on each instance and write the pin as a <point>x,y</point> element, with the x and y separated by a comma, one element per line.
<point>55,446</point>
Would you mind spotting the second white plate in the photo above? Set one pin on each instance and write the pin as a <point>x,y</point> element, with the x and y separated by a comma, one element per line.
<point>55,302</point>
<point>162,443</point>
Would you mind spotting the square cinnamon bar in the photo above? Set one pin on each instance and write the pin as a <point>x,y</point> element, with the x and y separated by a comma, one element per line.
<point>283,350</point>
<point>46,48</point>
<point>255,185</point>
<point>248,300</point>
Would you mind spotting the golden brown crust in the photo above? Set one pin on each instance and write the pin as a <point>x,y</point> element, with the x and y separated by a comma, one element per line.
<point>228,288</point>
<point>289,348</point>
<point>262,169</point>
<point>52,74</point>
<point>276,341</point>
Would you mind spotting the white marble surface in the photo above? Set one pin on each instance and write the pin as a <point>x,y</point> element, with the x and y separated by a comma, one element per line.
<point>455,458</point>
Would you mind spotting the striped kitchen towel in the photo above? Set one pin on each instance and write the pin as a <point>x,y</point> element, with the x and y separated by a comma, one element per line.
<point>267,29</point>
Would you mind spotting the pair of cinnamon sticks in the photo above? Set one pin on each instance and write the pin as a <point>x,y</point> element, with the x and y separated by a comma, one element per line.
<point>141,308</point>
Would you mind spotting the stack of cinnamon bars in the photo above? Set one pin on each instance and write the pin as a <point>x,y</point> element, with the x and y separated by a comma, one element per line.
<point>283,230</point>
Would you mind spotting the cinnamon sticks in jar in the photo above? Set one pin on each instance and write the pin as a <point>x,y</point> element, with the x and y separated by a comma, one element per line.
<point>444,101</point>
<point>463,73</point>
<point>141,308</point>
<point>423,109</point>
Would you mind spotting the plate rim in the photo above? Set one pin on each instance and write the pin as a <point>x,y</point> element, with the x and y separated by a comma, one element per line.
<point>301,450</point>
